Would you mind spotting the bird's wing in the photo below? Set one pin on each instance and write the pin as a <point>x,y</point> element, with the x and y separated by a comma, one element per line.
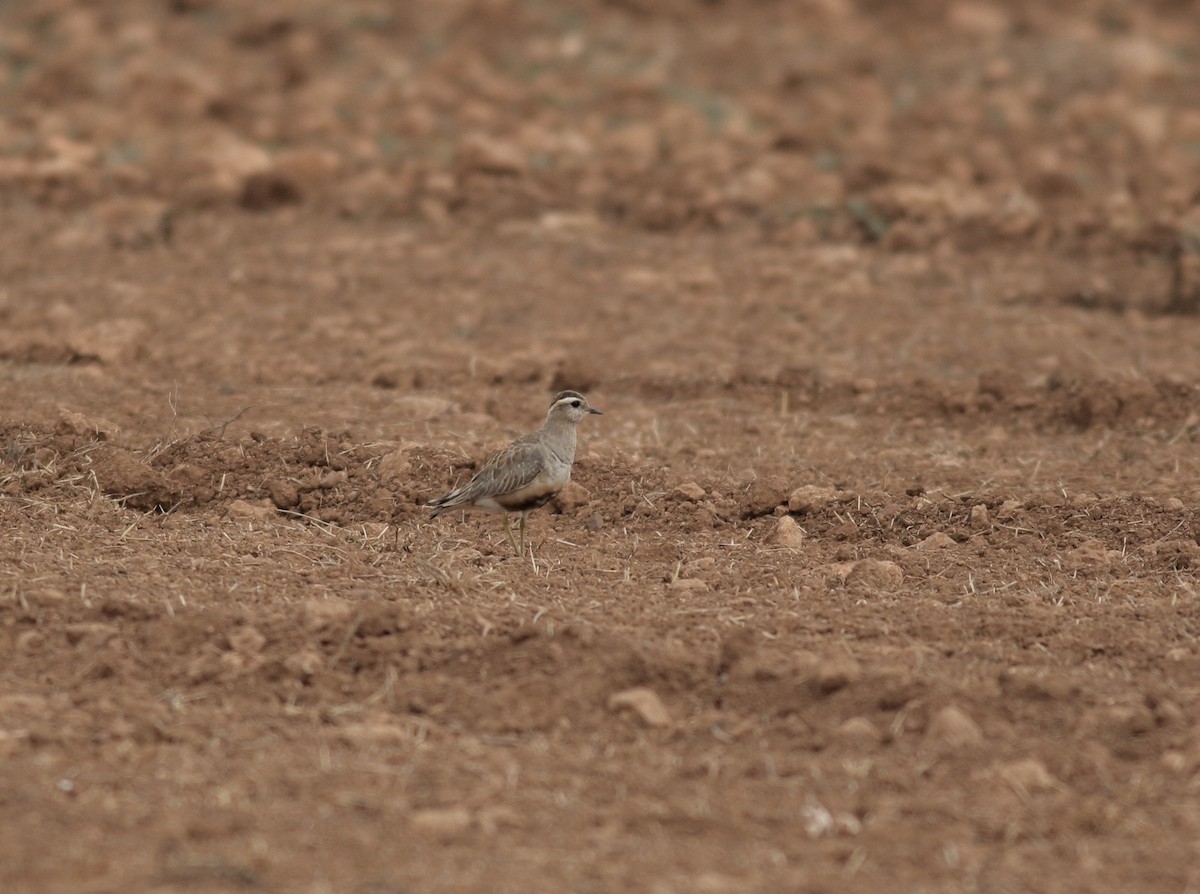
<point>515,467</point>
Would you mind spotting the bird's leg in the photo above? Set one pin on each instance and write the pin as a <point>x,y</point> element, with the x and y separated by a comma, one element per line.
<point>512,541</point>
<point>524,515</point>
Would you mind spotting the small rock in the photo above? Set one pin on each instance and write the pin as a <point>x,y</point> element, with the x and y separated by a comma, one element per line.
<point>331,480</point>
<point>284,494</point>
<point>936,540</point>
<point>689,492</point>
<point>953,727</point>
<point>1009,508</point>
<point>763,495</point>
<point>859,730</point>
<point>980,519</point>
<point>572,497</point>
<point>645,703</point>
<point>875,574</point>
<point>254,511</point>
<point>124,477</point>
<point>809,498</point>
<point>1089,554</point>
<point>70,422</point>
<point>1028,776</point>
<point>787,533</point>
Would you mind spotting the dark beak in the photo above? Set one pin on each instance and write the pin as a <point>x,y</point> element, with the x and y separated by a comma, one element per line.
<point>595,411</point>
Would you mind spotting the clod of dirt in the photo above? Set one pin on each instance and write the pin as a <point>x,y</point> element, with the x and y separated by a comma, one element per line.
<point>688,492</point>
<point>1028,776</point>
<point>762,495</point>
<point>786,533</point>
<point>88,427</point>
<point>572,497</point>
<point>1009,509</point>
<point>284,494</point>
<point>1089,554</point>
<point>689,584</point>
<point>124,477</point>
<point>395,466</point>
<point>254,511</point>
<point>980,519</point>
<point>645,703</point>
<point>860,731</point>
<point>936,540</point>
<point>809,498</point>
<point>875,574</point>
<point>952,727</point>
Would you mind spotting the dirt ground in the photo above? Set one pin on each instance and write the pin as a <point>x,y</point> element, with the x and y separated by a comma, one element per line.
<point>879,573</point>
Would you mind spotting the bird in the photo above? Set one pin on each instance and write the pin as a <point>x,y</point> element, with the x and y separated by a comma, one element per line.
<point>528,472</point>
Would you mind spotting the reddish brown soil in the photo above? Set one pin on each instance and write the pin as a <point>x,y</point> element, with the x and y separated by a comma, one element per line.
<point>882,568</point>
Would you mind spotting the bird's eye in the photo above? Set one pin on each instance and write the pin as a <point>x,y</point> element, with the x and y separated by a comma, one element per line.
<point>575,404</point>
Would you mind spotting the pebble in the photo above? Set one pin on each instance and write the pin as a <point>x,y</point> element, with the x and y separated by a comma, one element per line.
<point>875,574</point>
<point>859,730</point>
<point>690,492</point>
<point>980,519</point>
<point>786,533</point>
<point>255,511</point>
<point>1009,508</point>
<point>936,540</point>
<point>809,498</point>
<point>284,494</point>
<point>953,727</point>
<point>1029,776</point>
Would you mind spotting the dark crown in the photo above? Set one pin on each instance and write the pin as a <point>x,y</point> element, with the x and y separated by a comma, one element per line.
<point>565,394</point>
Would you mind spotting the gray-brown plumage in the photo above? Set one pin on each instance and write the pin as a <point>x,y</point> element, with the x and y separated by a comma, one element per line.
<point>528,472</point>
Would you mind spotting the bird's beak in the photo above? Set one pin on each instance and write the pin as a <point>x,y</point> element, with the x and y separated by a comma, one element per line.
<point>595,411</point>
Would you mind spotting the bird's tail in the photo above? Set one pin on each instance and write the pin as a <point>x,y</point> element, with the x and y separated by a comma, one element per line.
<point>445,503</point>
